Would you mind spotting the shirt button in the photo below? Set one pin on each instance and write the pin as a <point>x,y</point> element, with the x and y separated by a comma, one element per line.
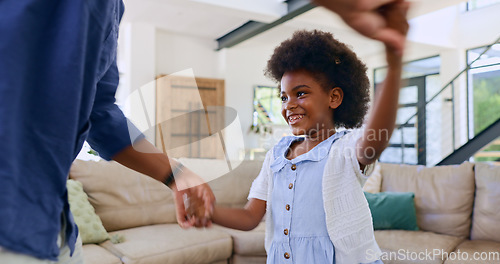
<point>290,186</point>
<point>287,207</point>
<point>285,232</point>
<point>294,167</point>
<point>287,256</point>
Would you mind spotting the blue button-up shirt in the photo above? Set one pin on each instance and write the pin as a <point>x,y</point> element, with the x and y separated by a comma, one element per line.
<point>58,78</point>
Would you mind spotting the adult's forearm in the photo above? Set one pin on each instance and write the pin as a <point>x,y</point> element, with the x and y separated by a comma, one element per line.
<point>145,158</point>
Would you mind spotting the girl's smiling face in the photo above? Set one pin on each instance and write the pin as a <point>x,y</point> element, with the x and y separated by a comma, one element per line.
<point>306,106</point>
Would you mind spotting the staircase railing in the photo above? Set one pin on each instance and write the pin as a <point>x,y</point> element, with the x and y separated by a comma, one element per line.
<point>449,142</point>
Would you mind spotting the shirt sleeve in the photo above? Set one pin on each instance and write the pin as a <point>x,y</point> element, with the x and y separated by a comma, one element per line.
<point>259,187</point>
<point>110,130</point>
<point>362,175</point>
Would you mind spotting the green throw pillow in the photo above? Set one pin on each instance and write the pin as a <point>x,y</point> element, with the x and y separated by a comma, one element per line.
<point>89,224</point>
<point>393,210</point>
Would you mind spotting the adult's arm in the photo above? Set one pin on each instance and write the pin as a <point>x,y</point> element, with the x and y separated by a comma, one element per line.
<point>112,135</point>
<point>364,17</point>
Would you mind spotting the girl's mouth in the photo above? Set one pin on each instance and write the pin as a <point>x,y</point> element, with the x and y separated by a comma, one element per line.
<point>293,119</point>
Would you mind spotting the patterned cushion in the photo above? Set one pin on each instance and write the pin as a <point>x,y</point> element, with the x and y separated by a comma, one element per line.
<point>89,224</point>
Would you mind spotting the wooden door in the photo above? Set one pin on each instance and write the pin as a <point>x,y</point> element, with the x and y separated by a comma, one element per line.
<point>184,116</point>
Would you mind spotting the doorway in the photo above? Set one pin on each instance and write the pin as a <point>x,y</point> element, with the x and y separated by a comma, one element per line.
<point>408,142</point>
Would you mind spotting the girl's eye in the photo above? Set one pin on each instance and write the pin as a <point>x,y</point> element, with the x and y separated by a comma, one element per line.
<point>283,98</point>
<point>300,94</point>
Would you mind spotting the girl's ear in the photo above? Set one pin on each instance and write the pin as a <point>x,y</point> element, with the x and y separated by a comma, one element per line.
<point>336,97</point>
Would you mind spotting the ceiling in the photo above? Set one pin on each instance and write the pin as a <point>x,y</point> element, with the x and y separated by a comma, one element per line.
<point>215,18</point>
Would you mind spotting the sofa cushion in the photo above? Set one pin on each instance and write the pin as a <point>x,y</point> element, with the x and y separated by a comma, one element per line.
<point>374,182</point>
<point>475,251</point>
<point>231,189</point>
<point>248,243</point>
<point>444,195</point>
<point>400,246</point>
<point>89,224</point>
<point>96,254</point>
<point>168,243</point>
<point>392,210</point>
<point>122,197</point>
<point>486,224</point>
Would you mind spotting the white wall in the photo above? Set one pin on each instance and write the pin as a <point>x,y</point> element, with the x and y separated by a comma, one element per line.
<point>176,52</point>
<point>479,27</point>
<point>246,70</point>
<point>136,57</point>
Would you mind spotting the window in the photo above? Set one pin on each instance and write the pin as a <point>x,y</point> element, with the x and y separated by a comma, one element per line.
<point>266,107</point>
<point>417,68</point>
<point>484,95</point>
<point>414,120</point>
<point>484,87</point>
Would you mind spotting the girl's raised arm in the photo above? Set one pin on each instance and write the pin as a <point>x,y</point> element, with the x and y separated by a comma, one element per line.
<point>382,118</point>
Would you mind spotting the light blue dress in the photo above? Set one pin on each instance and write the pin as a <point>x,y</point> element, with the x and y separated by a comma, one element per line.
<point>300,233</point>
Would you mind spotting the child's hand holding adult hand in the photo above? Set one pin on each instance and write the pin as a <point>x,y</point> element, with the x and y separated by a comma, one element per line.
<point>197,211</point>
<point>194,200</point>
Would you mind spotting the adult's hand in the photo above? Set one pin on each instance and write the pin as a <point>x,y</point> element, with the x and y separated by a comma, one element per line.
<point>191,191</point>
<point>395,15</point>
<point>365,17</point>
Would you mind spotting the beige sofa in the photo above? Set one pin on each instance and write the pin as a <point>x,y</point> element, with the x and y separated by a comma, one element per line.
<point>139,213</point>
<point>457,211</point>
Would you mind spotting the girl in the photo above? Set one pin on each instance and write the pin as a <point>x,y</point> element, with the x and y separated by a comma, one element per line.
<point>309,186</point>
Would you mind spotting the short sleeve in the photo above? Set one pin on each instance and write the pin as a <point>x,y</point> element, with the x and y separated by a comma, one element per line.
<point>361,175</point>
<point>259,187</point>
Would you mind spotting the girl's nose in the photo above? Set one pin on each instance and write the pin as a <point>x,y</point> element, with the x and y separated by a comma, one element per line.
<point>291,104</point>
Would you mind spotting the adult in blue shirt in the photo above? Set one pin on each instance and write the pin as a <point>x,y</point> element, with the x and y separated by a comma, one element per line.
<point>58,78</point>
